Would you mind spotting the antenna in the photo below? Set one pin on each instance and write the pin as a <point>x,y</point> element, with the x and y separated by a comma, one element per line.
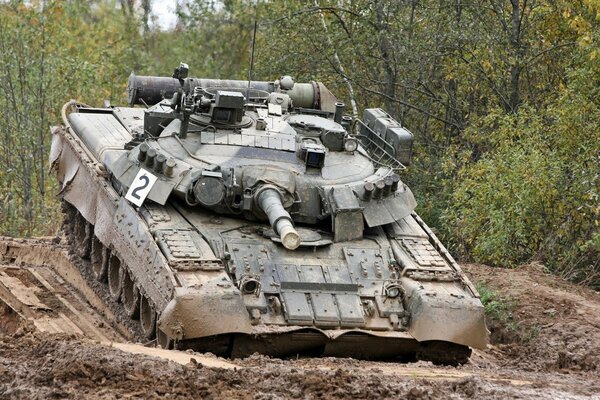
<point>251,70</point>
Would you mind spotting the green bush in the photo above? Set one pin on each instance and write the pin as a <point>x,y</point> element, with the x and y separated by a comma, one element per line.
<point>534,192</point>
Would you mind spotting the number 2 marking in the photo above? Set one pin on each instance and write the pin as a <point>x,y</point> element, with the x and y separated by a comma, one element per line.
<point>134,192</point>
<point>140,187</point>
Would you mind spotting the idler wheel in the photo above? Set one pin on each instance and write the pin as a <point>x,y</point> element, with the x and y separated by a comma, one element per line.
<point>147,318</point>
<point>99,259</point>
<point>114,277</point>
<point>130,295</point>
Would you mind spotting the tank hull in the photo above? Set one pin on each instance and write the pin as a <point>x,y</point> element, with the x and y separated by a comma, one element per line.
<point>222,284</point>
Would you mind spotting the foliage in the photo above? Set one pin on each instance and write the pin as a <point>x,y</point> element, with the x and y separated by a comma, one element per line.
<point>495,306</point>
<point>505,204</point>
<point>500,316</point>
<point>213,38</point>
<point>502,97</point>
<point>534,193</point>
<point>51,51</point>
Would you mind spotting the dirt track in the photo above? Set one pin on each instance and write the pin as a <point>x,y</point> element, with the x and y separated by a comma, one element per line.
<point>547,346</point>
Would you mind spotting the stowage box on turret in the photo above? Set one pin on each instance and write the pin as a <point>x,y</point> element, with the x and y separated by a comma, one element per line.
<point>240,217</point>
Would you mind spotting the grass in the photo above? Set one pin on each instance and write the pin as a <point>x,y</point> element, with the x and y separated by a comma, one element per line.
<point>495,306</point>
<point>499,312</point>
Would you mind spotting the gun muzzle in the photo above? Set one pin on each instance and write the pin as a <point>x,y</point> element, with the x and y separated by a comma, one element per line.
<point>269,200</point>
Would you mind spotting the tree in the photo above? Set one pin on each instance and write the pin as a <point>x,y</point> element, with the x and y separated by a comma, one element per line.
<point>42,67</point>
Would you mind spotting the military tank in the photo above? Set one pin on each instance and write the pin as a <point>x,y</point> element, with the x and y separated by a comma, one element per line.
<point>239,217</point>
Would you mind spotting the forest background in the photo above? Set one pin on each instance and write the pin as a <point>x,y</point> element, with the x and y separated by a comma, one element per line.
<point>502,96</point>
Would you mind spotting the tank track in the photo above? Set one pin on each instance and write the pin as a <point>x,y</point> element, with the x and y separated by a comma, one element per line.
<point>107,275</point>
<point>444,353</point>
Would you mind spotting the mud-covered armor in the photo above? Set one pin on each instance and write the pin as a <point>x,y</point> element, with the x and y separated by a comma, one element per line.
<point>242,217</point>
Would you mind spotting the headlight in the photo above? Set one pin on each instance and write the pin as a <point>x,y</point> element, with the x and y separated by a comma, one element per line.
<point>350,144</point>
<point>249,285</point>
<point>393,290</point>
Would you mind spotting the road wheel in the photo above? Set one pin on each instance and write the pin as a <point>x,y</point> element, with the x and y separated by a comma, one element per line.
<point>99,259</point>
<point>114,277</point>
<point>147,318</point>
<point>130,295</point>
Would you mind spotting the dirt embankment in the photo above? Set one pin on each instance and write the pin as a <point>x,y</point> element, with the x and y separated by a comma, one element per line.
<point>546,323</point>
<point>546,345</point>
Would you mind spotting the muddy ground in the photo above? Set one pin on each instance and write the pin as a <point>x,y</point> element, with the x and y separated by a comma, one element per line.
<point>545,334</point>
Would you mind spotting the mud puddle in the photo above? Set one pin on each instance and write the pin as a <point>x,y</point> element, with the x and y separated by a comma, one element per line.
<point>547,349</point>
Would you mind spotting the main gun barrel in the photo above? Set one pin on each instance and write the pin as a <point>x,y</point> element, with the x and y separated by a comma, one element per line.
<point>269,200</point>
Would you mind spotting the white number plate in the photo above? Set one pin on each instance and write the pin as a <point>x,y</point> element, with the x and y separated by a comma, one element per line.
<point>140,187</point>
